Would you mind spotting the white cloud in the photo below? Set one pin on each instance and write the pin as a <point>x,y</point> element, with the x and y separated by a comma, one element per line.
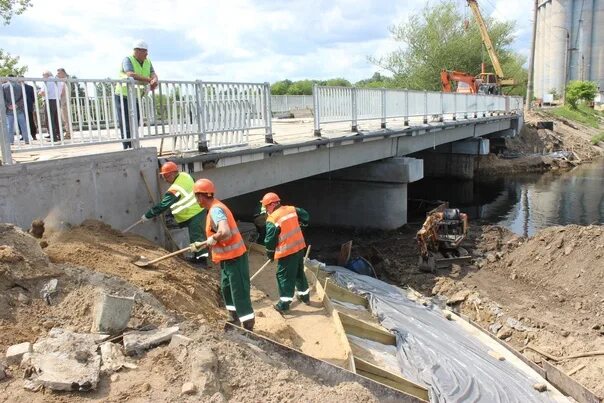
<point>230,40</point>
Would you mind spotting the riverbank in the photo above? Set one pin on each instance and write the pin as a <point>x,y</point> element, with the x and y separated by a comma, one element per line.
<point>538,149</point>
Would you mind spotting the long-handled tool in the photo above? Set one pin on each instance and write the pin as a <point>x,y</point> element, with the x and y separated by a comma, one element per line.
<point>143,261</point>
<point>260,270</point>
<point>132,226</point>
<point>152,199</point>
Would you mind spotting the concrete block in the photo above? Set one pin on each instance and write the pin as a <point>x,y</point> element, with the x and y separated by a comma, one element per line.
<point>112,313</point>
<point>138,341</point>
<point>188,388</point>
<point>57,371</point>
<point>180,340</point>
<point>204,368</point>
<point>14,354</point>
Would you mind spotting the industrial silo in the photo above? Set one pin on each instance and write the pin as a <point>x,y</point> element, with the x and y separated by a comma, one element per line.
<point>569,44</point>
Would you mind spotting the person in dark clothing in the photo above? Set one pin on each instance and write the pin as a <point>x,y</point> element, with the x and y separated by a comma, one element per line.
<point>30,99</point>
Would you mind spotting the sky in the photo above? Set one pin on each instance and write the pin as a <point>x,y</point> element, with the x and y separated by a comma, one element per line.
<point>226,40</point>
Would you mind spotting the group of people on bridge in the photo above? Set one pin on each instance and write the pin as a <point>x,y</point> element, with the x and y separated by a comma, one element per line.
<point>211,225</point>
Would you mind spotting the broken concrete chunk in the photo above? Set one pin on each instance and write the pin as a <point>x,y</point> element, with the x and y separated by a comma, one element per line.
<point>57,371</point>
<point>3,371</point>
<point>494,328</point>
<point>113,359</point>
<point>111,313</point>
<point>504,333</point>
<point>180,340</point>
<point>14,354</point>
<point>516,324</point>
<point>188,388</point>
<point>49,290</point>
<point>139,341</point>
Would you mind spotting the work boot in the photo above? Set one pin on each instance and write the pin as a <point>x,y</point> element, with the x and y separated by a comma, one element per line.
<point>304,298</point>
<point>200,262</point>
<point>234,318</point>
<point>249,324</point>
<point>281,307</point>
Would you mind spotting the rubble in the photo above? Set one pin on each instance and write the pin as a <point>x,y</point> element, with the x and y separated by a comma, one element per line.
<point>113,358</point>
<point>112,313</point>
<point>136,342</point>
<point>15,353</point>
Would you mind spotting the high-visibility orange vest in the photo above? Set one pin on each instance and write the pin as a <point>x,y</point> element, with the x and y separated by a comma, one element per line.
<point>291,239</point>
<point>228,248</point>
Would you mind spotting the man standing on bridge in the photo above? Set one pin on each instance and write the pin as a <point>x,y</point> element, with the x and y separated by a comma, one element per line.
<point>139,67</point>
<point>285,242</point>
<point>186,211</point>
<point>228,249</point>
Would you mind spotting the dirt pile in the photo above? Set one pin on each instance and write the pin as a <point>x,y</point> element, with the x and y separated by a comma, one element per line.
<point>545,292</point>
<point>98,246</point>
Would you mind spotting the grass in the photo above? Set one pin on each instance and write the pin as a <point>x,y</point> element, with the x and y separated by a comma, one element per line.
<point>583,114</point>
<point>597,138</point>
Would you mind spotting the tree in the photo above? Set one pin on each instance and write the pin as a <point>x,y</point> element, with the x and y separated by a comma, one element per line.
<point>8,8</point>
<point>580,91</point>
<point>280,87</point>
<point>437,38</point>
<point>8,65</point>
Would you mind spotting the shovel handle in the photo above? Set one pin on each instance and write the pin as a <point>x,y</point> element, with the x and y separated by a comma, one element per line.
<point>260,270</point>
<point>178,252</point>
<point>132,226</point>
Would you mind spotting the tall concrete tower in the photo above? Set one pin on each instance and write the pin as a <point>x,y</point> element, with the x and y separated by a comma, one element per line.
<point>569,44</point>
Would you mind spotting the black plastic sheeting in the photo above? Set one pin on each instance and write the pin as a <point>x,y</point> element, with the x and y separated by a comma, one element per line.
<point>436,352</point>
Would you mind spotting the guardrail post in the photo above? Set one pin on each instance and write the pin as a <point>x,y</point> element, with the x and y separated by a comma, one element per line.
<point>268,115</point>
<point>476,106</point>
<point>425,107</point>
<point>455,95</point>
<point>354,127</point>
<point>383,98</point>
<point>133,112</point>
<point>7,157</point>
<point>202,142</point>
<point>406,117</point>
<point>442,108</point>
<point>317,111</point>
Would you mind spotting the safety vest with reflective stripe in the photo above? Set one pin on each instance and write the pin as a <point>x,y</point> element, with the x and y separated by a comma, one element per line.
<point>228,248</point>
<point>144,70</point>
<point>290,239</point>
<point>186,206</point>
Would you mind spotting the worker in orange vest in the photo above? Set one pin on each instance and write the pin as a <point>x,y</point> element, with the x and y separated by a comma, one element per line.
<point>228,249</point>
<point>284,241</point>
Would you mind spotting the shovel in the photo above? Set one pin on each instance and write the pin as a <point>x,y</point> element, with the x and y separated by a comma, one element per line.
<point>143,261</point>
<point>132,226</point>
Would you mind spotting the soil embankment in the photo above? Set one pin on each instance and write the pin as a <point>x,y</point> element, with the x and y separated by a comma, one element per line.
<point>538,149</point>
<point>545,292</point>
<point>93,258</point>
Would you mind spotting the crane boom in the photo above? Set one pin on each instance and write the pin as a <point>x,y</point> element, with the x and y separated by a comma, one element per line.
<point>486,38</point>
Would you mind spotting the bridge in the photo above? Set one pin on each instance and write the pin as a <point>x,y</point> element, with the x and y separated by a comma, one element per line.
<point>348,162</point>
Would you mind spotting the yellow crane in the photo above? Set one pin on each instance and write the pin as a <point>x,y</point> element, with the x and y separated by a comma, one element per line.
<point>482,26</point>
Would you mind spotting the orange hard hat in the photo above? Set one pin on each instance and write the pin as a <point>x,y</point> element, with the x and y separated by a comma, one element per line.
<point>168,167</point>
<point>269,198</point>
<point>204,186</point>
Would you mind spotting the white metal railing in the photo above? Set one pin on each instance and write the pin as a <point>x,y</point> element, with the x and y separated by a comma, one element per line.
<point>351,104</point>
<point>288,103</point>
<point>184,115</point>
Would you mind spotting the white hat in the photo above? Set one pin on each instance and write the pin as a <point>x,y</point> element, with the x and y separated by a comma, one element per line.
<point>140,45</point>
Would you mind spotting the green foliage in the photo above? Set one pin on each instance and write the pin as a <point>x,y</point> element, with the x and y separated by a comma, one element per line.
<point>8,65</point>
<point>582,114</point>
<point>304,87</point>
<point>576,91</point>
<point>437,38</point>
<point>280,87</point>
<point>8,8</point>
<point>376,81</point>
<point>598,138</point>
<point>337,82</point>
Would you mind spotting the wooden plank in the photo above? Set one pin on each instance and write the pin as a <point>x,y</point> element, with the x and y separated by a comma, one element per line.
<point>310,276</point>
<point>313,367</point>
<point>344,256</point>
<point>568,385</point>
<point>367,331</point>
<point>388,378</point>
<point>342,294</point>
<point>253,246</point>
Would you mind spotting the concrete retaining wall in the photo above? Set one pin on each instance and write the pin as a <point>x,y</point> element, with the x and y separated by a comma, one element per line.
<point>106,187</point>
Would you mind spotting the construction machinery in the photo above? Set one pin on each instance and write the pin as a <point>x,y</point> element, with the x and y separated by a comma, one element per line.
<point>440,239</point>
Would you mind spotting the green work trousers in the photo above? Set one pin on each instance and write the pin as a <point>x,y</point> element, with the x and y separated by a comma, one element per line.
<point>290,276</point>
<point>197,230</point>
<point>235,286</point>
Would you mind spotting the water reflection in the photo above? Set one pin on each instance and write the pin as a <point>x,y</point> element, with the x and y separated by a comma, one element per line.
<point>525,203</point>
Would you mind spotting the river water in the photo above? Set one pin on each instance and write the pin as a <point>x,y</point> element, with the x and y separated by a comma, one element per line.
<point>525,203</point>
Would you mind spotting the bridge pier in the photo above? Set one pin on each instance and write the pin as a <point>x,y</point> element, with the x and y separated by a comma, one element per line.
<point>454,160</point>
